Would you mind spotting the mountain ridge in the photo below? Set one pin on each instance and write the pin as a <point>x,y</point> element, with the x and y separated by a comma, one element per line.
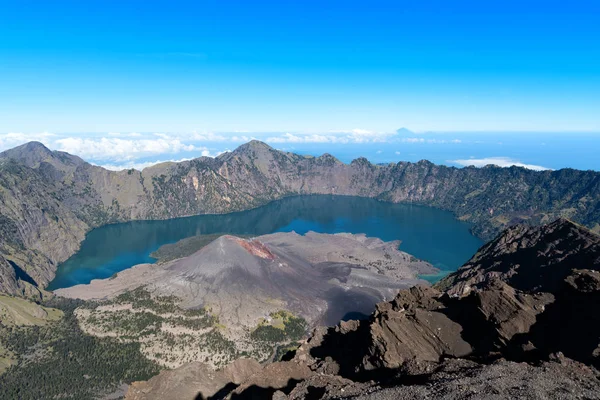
<point>49,206</point>
<point>508,257</point>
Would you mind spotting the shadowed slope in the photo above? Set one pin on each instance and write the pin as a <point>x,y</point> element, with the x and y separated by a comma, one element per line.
<point>529,258</point>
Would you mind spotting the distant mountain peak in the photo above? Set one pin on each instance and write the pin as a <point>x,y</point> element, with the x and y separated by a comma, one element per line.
<point>30,154</point>
<point>30,147</point>
<point>254,150</point>
<point>404,131</point>
<point>254,145</point>
<point>33,153</point>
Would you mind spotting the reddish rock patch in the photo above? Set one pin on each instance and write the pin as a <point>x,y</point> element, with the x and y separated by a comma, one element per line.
<point>255,248</point>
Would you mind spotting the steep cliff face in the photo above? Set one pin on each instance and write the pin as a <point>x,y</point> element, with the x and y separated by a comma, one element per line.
<point>49,200</point>
<point>38,229</point>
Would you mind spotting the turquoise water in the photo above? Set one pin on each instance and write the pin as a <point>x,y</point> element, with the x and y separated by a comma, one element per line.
<point>427,233</point>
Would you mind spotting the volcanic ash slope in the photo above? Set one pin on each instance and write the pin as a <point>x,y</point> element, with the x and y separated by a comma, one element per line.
<point>319,277</point>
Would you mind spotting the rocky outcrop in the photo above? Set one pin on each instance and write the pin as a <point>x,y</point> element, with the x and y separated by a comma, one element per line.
<point>412,327</point>
<point>193,380</point>
<point>529,258</point>
<point>463,379</point>
<point>49,200</point>
<point>536,335</point>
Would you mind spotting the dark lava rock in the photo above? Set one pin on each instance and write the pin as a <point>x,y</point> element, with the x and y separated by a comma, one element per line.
<point>531,259</point>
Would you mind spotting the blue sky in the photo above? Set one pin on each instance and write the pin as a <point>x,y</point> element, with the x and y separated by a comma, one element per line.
<point>80,70</point>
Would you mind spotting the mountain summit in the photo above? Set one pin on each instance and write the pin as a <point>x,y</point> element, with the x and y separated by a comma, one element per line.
<point>253,145</point>
<point>32,154</point>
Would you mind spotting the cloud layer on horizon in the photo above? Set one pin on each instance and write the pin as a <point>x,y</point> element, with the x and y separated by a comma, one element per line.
<point>117,150</point>
<point>137,165</point>
<point>503,162</point>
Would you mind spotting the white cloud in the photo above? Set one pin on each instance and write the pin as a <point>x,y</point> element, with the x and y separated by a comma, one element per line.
<point>379,151</point>
<point>131,134</point>
<point>137,165</point>
<point>397,153</point>
<point>442,141</point>
<point>432,141</point>
<point>121,150</point>
<point>413,140</point>
<point>499,161</point>
<point>208,137</point>
<point>12,139</point>
<point>118,149</point>
<point>351,136</point>
<point>145,164</point>
<point>362,132</point>
<point>305,138</point>
<point>366,136</point>
<point>242,138</point>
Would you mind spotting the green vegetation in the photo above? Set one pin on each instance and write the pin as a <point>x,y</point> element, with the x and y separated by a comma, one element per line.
<point>141,298</point>
<point>282,327</point>
<point>283,351</point>
<point>7,358</point>
<point>58,360</point>
<point>128,323</point>
<point>166,333</point>
<point>147,315</point>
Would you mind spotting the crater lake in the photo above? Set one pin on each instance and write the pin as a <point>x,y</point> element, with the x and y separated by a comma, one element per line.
<point>427,233</point>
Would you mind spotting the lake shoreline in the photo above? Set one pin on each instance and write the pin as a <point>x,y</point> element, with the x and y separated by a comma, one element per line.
<point>300,213</point>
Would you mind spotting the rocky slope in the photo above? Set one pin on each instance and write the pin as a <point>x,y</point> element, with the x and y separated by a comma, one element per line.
<point>528,258</point>
<point>49,200</point>
<point>537,339</point>
<point>244,296</point>
<point>320,277</point>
